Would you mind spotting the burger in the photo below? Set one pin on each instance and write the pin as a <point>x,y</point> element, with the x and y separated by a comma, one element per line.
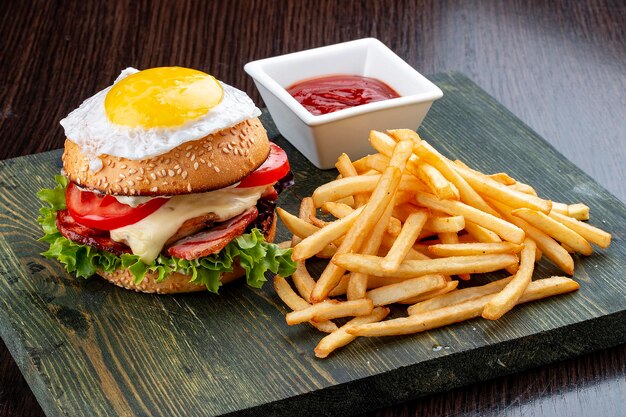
<point>169,185</point>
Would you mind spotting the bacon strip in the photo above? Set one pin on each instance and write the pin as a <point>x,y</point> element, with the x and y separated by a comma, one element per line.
<point>214,240</point>
<point>76,232</point>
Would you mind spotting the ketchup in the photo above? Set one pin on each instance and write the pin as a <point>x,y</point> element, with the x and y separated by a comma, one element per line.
<point>337,92</point>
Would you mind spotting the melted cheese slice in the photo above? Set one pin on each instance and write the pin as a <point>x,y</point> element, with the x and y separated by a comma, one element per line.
<point>147,237</point>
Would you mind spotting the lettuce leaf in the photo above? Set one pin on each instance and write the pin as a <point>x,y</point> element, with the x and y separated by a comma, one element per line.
<point>255,255</point>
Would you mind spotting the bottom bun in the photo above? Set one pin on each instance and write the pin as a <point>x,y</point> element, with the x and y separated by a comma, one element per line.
<point>175,282</point>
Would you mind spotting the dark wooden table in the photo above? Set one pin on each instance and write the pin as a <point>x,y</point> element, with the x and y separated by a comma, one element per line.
<point>557,65</point>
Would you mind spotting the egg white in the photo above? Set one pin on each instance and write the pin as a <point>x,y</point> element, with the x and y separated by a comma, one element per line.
<point>89,127</point>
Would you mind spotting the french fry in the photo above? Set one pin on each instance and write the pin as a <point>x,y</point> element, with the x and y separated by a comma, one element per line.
<point>468,249</point>
<point>577,211</point>
<point>372,211</point>
<point>406,289</point>
<point>446,167</point>
<point>458,296</point>
<point>504,229</point>
<point>548,246</point>
<point>501,177</point>
<point>429,175</point>
<point>307,210</point>
<point>404,135</point>
<point>506,299</point>
<point>591,233</point>
<point>450,286</point>
<point>297,226</point>
<point>523,188</point>
<point>445,224</point>
<point>434,180</point>
<point>554,229</point>
<point>434,223</point>
<point>344,187</point>
<point>453,265</point>
<point>303,281</point>
<point>364,184</point>
<point>377,162</point>
<point>459,312</point>
<point>346,169</point>
<point>405,240</point>
<point>294,302</point>
<point>328,310</point>
<point>340,337</point>
<point>453,238</point>
<point>500,192</point>
<point>314,243</point>
<point>342,210</point>
<point>357,286</point>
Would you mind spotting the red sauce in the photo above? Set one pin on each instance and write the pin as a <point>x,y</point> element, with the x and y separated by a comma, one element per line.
<point>337,92</point>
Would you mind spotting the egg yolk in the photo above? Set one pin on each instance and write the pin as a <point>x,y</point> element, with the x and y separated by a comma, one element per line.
<point>162,97</point>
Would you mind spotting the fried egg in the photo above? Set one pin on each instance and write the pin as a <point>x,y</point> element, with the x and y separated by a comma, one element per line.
<point>148,113</point>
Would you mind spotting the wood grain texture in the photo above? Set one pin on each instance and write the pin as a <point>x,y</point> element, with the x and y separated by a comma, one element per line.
<point>88,348</point>
<point>558,65</point>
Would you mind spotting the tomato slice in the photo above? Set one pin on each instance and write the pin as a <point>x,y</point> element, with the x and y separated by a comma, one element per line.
<point>274,168</point>
<point>104,212</point>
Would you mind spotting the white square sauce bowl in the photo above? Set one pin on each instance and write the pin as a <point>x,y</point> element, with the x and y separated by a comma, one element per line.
<point>322,138</point>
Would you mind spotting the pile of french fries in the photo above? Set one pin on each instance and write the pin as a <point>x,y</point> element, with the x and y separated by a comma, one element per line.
<point>410,223</point>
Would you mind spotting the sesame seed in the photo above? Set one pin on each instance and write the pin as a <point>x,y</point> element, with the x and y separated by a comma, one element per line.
<point>189,187</point>
<point>167,161</point>
<point>176,166</point>
<point>139,178</point>
<point>131,183</point>
<point>209,164</point>
<point>123,166</point>
<point>153,176</point>
<point>193,157</point>
<point>188,148</point>
<point>202,160</point>
<point>99,182</point>
<point>142,171</point>
<point>234,143</point>
<point>154,189</point>
<point>178,171</point>
<point>195,165</point>
<point>171,173</point>
<point>125,190</point>
<point>163,173</point>
<point>229,146</point>
<point>151,165</point>
<point>132,171</point>
<point>78,180</point>
<point>164,182</point>
<point>201,153</point>
<point>251,139</point>
<point>184,174</point>
<point>225,150</point>
<point>216,169</point>
<point>118,188</point>
<point>122,175</point>
<point>105,185</point>
<point>242,136</point>
<point>108,162</point>
<point>112,164</point>
<point>236,151</point>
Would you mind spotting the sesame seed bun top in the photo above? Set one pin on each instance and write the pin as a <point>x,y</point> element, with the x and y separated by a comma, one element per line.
<point>215,161</point>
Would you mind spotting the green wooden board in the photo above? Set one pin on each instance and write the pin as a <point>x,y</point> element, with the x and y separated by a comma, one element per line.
<point>88,348</point>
